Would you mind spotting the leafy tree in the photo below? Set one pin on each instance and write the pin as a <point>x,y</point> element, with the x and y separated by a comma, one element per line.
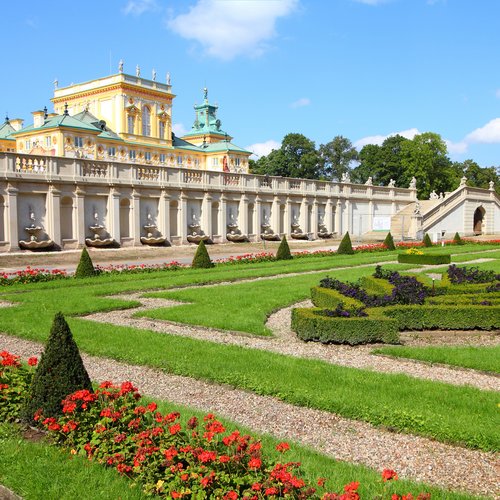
<point>477,176</point>
<point>201,258</point>
<point>283,252</point>
<point>297,157</point>
<point>59,373</point>
<point>345,247</point>
<point>85,266</point>
<point>336,157</point>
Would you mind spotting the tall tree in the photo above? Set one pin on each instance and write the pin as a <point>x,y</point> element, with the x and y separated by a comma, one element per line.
<point>477,176</point>
<point>336,157</point>
<point>297,157</point>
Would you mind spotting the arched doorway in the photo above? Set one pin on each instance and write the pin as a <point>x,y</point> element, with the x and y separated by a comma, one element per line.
<point>478,220</point>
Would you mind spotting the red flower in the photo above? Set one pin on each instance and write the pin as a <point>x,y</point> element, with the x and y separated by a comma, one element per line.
<point>282,447</point>
<point>271,491</point>
<point>388,474</point>
<point>256,486</point>
<point>351,487</point>
<point>33,361</point>
<point>321,481</point>
<point>152,406</point>
<point>192,423</point>
<point>255,463</point>
<point>223,459</point>
<point>174,429</point>
<point>174,494</point>
<point>207,456</point>
<point>231,495</point>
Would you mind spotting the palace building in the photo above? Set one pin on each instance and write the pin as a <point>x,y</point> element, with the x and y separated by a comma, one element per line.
<point>105,170</point>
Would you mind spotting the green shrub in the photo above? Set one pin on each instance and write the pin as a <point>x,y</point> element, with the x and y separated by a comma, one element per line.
<point>389,242</point>
<point>201,259</point>
<point>445,317</point>
<point>283,252</point>
<point>427,241</point>
<point>59,373</point>
<point>327,298</point>
<point>435,259</point>
<point>311,325</point>
<point>345,247</point>
<point>457,240</point>
<point>377,286</point>
<point>85,266</point>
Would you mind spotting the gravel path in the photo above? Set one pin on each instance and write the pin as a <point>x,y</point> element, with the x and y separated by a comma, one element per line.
<point>285,341</point>
<point>413,457</point>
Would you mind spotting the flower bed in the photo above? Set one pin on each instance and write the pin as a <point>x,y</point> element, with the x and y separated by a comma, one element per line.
<point>199,459</point>
<point>31,275</point>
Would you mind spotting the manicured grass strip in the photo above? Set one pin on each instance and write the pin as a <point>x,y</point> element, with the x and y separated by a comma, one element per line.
<point>474,256</point>
<point>244,307</point>
<point>448,413</point>
<point>36,470</point>
<point>477,358</point>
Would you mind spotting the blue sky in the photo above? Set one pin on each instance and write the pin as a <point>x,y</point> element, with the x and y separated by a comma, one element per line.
<point>363,69</point>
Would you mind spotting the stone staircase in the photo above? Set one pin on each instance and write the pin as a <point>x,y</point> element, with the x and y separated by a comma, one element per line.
<point>402,222</point>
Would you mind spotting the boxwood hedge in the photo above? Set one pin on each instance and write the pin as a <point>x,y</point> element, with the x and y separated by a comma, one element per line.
<point>435,259</point>
<point>327,298</point>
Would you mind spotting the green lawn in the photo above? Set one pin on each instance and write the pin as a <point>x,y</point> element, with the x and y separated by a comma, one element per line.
<point>478,358</point>
<point>445,412</point>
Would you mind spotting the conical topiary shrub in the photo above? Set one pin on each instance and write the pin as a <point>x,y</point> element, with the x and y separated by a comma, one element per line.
<point>283,252</point>
<point>457,240</point>
<point>59,373</point>
<point>201,258</point>
<point>427,240</point>
<point>389,242</point>
<point>345,246</point>
<point>85,266</point>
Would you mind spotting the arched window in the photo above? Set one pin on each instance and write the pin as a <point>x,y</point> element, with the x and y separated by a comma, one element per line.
<point>161,129</point>
<point>146,121</point>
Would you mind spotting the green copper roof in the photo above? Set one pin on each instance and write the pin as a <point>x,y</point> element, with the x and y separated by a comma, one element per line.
<point>224,146</point>
<point>65,121</point>
<point>206,121</point>
<point>6,129</point>
<point>179,143</point>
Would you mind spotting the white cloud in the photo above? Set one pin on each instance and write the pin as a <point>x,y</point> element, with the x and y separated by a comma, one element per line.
<point>489,134</point>
<point>138,7</point>
<point>179,130</point>
<point>299,103</point>
<point>262,148</point>
<point>456,148</point>
<point>379,139</point>
<point>226,29</point>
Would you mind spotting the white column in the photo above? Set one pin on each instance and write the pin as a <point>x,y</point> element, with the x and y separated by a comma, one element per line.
<point>164,214</point>
<point>304,215</point>
<point>370,215</point>
<point>222,218</point>
<point>338,218</point>
<point>114,214</point>
<point>136,218</point>
<point>54,215</point>
<point>314,228</point>
<point>346,226</point>
<point>12,232</point>
<point>328,215</point>
<point>288,217</point>
<point>275,215</point>
<point>257,218</point>
<point>243,214</point>
<point>206,214</point>
<point>183,218</point>
<point>79,217</point>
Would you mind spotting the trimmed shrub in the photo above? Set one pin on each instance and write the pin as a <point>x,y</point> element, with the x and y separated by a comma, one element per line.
<point>313,325</point>
<point>445,317</point>
<point>59,373</point>
<point>201,258</point>
<point>330,299</point>
<point>345,247</point>
<point>376,286</point>
<point>389,242</point>
<point>457,240</point>
<point>436,259</point>
<point>85,266</point>
<point>283,252</point>
<point>427,240</point>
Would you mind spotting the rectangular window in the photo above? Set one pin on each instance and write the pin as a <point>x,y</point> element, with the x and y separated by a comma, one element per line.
<point>147,156</point>
<point>78,142</point>
<point>237,161</point>
<point>130,124</point>
<point>196,162</point>
<point>163,158</point>
<point>179,160</point>
<point>132,154</point>
<point>48,141</point>
<point>215,162</point>
<point>161,130</point>
<point>27,145</point>
<point>111,151</point>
